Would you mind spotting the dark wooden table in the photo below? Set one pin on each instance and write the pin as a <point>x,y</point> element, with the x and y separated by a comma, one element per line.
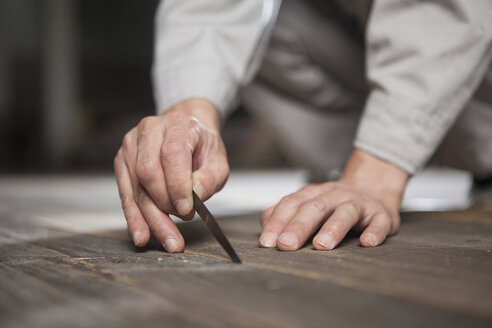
<point>437,272</point>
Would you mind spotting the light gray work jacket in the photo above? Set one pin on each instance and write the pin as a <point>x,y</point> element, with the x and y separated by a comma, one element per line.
<point>424,61</point>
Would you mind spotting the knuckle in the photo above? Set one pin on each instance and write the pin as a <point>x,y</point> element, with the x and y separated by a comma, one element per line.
<point>314,205</point>
<point>380,216</point>
<point>140,199</point>
<point>127,140</point>
<point>337,189</point>
<point>179,115</point>
<point>351,206</point>
<point>146,169</point>
<point>289,200</point>
<point>192,123</point>
<point>189,134</point>
<point>309,187</point>
<point>191,137</point>
<point>126,201</point>
<point>329,187</point>
<point>147,122</point>
<point>173,148</point>
<point>372,208</point>
<point>330,184</point>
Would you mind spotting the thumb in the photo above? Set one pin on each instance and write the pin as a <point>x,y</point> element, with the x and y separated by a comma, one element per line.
<point>210,178</point>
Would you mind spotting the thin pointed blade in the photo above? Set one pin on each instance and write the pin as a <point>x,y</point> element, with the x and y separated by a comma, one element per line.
<point>214,228</point>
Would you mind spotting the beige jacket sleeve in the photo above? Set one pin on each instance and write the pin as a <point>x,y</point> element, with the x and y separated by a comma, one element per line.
<point>208,49</point>
<point>424,61</point>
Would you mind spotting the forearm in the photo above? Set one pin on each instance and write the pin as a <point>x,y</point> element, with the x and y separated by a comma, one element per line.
<point>204,49</point>
<point>420,74</point>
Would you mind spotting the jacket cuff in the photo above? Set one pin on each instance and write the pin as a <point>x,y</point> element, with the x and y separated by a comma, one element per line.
<point>199,80</point>
<point>399,133</point>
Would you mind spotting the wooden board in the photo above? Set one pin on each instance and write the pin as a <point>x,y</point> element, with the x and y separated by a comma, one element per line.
<point>437,272</point>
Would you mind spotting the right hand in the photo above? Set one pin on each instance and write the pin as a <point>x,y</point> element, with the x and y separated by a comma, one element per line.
<point>159,163</point>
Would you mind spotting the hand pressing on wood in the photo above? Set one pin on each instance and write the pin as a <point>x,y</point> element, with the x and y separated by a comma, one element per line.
<point>367,199</point>
<point>158,164</point>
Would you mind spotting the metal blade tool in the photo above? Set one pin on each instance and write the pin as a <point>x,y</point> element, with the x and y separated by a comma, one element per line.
<point>214,228</point>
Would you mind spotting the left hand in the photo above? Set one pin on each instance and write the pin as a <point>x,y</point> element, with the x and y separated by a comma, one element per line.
<point>367,198</point>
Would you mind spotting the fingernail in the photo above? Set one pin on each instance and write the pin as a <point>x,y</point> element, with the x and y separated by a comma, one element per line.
<point>268,239</point>
<point>371,239</point>
<point>288,239</point>
<point>183,206</point>
<point>136,237</point>
<point>326,241</point>
<point>171,245</point>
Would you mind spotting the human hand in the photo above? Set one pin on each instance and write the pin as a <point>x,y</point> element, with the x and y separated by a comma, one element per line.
<point>159,163</point>
<point>367,199</point>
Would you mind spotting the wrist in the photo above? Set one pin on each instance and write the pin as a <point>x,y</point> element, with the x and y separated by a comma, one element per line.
<point>376,176</point>
<point>201,109</point>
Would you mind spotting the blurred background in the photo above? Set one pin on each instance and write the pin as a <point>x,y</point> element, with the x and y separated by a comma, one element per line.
<point>75,77</point>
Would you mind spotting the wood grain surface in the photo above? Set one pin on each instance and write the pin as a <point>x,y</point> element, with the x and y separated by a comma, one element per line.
<point>437,272</point>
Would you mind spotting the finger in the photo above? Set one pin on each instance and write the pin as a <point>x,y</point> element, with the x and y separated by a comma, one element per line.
<point>156,220</point>
<point>130,158</point>
<point>307,220</point>
<point>283,213</point>
<point>337,226</point>
<point>148,168</point>
<point>376,231</point>
<point>137,227</point>
<point>176,157</point>
<point>210,177</point>
<point>266,214</point>
<point>129,154</point>
<point>161,225</point>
